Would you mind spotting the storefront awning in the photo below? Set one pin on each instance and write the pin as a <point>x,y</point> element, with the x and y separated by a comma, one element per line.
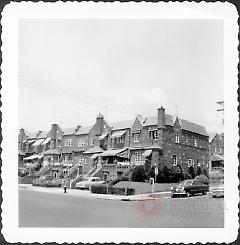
<point>94,156</point>
<point>103,136</point>
<point>30,141</point>
<point>118,134</point>
<point>38,142</point>
<point>147,153</point>
<point>46,141</point>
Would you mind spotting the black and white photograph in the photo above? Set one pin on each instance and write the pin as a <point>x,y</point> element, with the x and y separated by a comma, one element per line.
<point>116,117</point>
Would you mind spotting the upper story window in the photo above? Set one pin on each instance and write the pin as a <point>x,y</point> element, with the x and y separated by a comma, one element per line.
<point>153,134</point>
<point>198,162</point>
<point>174,160</point>
<point>92,142</point>
<point>177,138</point>
<point>186,139</point>
<point>195,142</point>
<point>81,144</point>
<point>136,137</point>
<point>68,142</point>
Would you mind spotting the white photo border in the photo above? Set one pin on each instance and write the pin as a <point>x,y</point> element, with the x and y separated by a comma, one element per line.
<point>184,10</point>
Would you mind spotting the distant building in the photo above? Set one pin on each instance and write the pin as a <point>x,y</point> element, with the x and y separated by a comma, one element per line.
<point>216,150</point>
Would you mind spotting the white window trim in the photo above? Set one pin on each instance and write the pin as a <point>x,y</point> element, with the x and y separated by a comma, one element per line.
<point>174,158</point>
<point>134,137</point>
<point>177,138</point>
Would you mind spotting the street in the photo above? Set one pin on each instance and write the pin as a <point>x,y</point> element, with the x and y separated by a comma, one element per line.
<point>46,209</point>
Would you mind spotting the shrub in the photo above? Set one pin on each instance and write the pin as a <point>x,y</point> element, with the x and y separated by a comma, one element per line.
<point>201,179</point>
<point>205,172</point>
<point>103,189</point>
<point>199,171</point>
<point>191,171</point>
<point>138,174</point>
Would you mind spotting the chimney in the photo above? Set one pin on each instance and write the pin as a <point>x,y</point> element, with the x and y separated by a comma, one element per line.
<point>99,129</point>
<point>77,128</point>
<point>161,118</point>
<point>161,125</point>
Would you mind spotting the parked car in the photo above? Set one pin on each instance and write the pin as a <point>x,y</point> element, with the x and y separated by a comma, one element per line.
<point>189,187</point>
<point>88,182</point>
<point>218,190</point>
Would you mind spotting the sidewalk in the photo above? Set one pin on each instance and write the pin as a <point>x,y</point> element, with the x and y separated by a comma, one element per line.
<point>88,194</point>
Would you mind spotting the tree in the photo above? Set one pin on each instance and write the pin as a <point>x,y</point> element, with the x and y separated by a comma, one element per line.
<point>199,171</point>
<point>191,172</point>
<point>138,174</point>
<point>201,179</point>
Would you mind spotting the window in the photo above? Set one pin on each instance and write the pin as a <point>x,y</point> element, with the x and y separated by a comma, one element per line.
<point>66,158</point>
<point>190,162</point>
<point>92,142</point>
<point>83,160</point>
<point>198,162</point>
<point>81,144</point>
<point>138,157</point>
<point>177,138</point>
<point>186,139</point>
<point>136,137</point>
<point>68,142</point>
<point>174,160</point>
<point>153,134</point>
<point>195,142</point>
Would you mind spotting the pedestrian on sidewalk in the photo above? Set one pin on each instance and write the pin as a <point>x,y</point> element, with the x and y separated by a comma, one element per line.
<point>65,187</point>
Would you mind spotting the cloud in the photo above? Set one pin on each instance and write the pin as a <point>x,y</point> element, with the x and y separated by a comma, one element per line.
<point>155,95</point>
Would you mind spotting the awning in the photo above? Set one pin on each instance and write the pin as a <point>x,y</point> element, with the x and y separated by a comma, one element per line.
<point>112,153</point>
<point>216,157</point>
<point>118,134</point>
<point>40,156</point>
<point>95,149</point>
<point>38,142</point>
<point>94,156</point>
<point>30,141</point>
<point>31,157</point>
<point>46,141</point>
<point>103,136</point>
<point>147,153</point>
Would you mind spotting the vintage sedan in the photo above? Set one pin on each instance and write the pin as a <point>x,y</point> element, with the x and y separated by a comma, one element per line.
<point>218,190</point>
<point>189,187</point>
<point>88,182</point>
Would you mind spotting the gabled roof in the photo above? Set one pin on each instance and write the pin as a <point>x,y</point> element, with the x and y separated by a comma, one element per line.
<point>193,127</point>
<point>42,134</point>
<point>186,125</point>
<point>211,136</point>
<point>31,135</point>
<point>121,125</point>
<point>68,131</point>
<point>83,130</point>
<point>154,120</point>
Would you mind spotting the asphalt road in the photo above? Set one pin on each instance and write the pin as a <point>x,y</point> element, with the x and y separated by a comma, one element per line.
<point>40,209</point>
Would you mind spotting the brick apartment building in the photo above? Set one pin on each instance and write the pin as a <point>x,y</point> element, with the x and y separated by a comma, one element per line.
<point>162,140</point>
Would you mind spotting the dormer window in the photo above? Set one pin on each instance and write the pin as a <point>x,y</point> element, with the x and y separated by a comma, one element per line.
<point>195,142</point>
<point>177,138</point>
<point>136,137</point>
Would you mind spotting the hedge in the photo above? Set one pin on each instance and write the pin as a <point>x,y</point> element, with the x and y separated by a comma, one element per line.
<point>112,190</point>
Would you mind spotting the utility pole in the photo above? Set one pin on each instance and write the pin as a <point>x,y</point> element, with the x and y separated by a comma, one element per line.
<point>221,109</point>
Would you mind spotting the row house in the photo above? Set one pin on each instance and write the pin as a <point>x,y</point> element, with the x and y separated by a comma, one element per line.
<point>159,140</point>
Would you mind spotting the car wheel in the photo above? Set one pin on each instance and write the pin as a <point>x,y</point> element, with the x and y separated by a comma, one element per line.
<point>204,192</point>
<point>172,196</point>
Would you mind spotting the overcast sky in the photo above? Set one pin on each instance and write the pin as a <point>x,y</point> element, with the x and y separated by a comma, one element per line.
<point>70,70</point>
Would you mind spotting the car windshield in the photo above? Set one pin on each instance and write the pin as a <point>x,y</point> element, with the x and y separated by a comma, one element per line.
<point>186,182</point>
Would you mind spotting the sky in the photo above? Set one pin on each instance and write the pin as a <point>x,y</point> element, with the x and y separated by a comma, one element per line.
<point>72,69</point>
